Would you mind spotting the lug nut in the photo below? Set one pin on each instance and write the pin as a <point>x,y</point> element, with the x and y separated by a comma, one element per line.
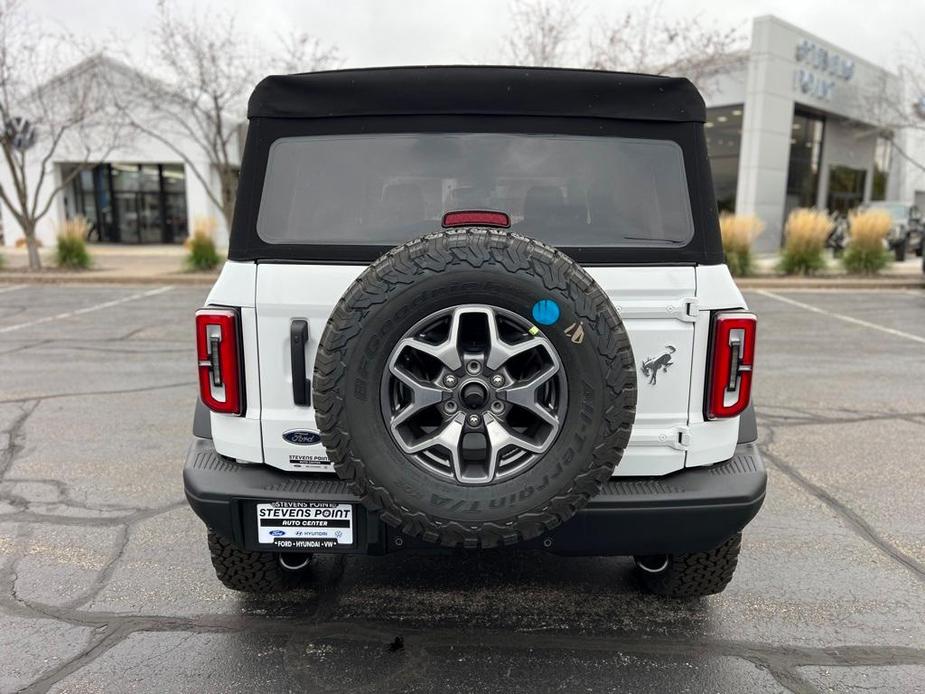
<point>497,380</point>
<point>449,381</point>
<point>497,407</point>
<point>473,367</point>
<point>474,420</point>
<point>450,406</point>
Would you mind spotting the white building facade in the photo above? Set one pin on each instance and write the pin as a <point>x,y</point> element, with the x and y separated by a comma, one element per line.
<point>141,192</point>
<point>798,122</point>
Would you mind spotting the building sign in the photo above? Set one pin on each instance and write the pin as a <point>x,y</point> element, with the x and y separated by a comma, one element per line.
<point>819,70</point>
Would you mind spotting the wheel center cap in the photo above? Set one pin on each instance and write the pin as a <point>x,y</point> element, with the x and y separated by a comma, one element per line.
<point>474,395</point>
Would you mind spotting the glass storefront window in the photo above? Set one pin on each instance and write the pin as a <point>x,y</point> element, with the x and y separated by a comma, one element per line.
<point>805,156</point>
<point>174,178</point>
<point>130,203</point>
<point>723,130</point>
<point>124,177</point>
<point>846,188</point>
<point>149,178</point>
<point>882,156</point>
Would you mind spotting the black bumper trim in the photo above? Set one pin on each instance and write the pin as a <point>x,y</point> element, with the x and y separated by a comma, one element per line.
<point>691,510</point>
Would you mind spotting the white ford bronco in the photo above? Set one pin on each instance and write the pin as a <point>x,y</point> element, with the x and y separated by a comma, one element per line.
<point>480,308</point>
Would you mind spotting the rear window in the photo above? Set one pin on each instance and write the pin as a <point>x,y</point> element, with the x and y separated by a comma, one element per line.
<point>574,191</point>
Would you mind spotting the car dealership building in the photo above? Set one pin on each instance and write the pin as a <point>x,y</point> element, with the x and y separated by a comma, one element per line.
<point>797,122</point>
<point>793,121</point>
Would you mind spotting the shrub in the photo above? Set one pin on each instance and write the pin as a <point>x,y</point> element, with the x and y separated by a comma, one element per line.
<point>806,231</point>
<point>866,253</point>
<point>72,244</point>
<point>201,246</point>
<point>739,232</point>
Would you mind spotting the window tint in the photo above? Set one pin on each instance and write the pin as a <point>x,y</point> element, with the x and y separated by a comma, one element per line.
<point>386,189</point>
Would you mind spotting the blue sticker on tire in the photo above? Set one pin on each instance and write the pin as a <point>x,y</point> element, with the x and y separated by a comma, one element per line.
<point>545,311</point>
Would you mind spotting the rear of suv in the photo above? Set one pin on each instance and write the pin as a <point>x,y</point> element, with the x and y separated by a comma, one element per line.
<point>476,308</point>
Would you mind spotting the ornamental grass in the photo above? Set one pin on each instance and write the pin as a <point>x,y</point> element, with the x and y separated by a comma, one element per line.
<point>866,253</point>
<point>739,232</point>
<point>805,234</point>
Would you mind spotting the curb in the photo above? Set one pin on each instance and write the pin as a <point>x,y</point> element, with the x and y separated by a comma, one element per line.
<point>831,283</point>
<point>94,278</point>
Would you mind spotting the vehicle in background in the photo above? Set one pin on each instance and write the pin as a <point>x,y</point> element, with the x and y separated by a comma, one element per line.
<point>907,231</point>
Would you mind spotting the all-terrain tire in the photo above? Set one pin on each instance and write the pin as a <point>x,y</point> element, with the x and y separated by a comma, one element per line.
<point>250,572</point>
<point>474,266</point>
<point>696,574</point>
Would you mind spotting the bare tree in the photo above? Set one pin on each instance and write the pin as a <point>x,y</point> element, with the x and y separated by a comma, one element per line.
<point>894,110</point>
<point>203,70</point>
<point>905,111</point>
<point>639,40</point>
<point>543,31</point>
<point>644,40</point>
<point>47,112</point>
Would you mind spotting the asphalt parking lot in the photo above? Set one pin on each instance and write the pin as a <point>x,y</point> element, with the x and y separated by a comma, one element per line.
<point>106,585</point>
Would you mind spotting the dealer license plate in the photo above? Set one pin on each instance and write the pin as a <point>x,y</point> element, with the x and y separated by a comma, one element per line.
<point>305,524</point>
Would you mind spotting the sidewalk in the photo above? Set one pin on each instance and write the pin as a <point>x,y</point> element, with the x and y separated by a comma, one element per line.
<point>905,275</point>
<point>118,264</point>
<point>766,266</point>
<point>112,264</point>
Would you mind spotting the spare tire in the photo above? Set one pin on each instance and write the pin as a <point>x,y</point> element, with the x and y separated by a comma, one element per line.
<point>476,387</point>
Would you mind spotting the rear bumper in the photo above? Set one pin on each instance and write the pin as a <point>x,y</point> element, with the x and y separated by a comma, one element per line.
<point>690,511</point>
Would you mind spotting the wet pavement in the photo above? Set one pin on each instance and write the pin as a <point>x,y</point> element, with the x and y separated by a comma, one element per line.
<point>106,585</point>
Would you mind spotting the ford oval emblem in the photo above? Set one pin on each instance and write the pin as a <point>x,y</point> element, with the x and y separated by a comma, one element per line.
<point>277,533</point>
<point>301,437</point>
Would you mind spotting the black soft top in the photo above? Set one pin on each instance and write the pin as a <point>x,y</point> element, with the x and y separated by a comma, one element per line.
<point>471,90</point>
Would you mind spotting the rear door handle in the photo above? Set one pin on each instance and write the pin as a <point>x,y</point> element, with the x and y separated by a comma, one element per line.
<point>301,386</point>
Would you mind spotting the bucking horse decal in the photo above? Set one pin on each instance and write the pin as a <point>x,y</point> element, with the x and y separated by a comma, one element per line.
<point>650,367</point>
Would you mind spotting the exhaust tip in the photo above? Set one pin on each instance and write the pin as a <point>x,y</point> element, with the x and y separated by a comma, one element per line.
<point>653,564</point>
<point>294,561</point>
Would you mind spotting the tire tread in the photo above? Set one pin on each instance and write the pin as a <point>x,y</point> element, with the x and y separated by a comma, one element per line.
<point>246,571</point>
<point>696,574</point>
<point>476,247</point>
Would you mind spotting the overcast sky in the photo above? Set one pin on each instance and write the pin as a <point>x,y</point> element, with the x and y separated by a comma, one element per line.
<point>394,32</point>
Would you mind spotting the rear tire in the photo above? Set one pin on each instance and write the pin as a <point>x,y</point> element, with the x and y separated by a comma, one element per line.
<point>690,575</point>
<point>899,251</point>
<point>251,572</point>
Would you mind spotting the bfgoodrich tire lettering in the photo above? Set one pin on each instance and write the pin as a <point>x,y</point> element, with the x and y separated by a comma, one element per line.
<point>482,267</point>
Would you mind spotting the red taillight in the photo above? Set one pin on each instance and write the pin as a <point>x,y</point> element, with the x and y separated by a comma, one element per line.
<point>731,364</point>
<point>219,363</point>
<point>482,218</point>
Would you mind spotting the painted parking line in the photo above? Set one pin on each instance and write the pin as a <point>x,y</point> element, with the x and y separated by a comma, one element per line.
<point>11,288</point>
<point>842,317</point>
<point>88,309</point>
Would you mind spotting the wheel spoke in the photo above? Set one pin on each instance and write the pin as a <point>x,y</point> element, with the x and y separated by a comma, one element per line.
<point>447,437</point>
<point>500,437</point>
<point>423,394</point>
<point>523,393</point>
<point>500,351</point>
<point>447,351</point>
